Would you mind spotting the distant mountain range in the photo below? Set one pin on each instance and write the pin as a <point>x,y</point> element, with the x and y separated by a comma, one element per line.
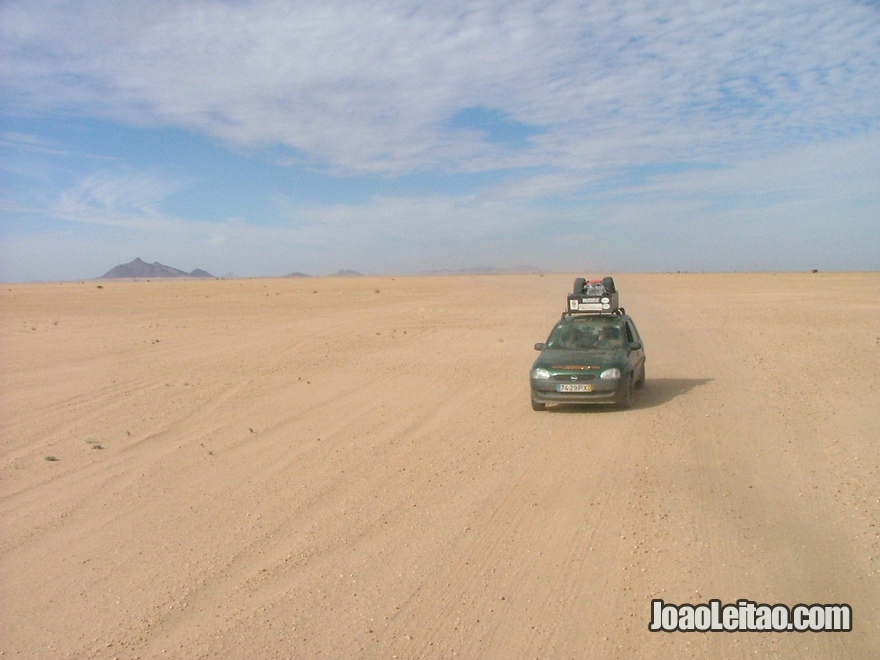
<point>140,268</point>
<point>482,270</point>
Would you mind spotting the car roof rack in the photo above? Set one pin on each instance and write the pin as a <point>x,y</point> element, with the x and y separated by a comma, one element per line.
<point>593,297</point>
<point>620,311</point>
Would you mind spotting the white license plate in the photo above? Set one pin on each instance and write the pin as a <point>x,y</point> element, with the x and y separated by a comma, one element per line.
<point>574,387</point>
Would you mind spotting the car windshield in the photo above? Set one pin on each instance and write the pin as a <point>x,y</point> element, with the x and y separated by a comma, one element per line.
<point>586,333</point>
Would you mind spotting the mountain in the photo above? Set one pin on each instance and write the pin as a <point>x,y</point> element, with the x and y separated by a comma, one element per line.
<point>139,268</point>
<point>345,272</point>
<point>482,270</point>
<point>297,274</point>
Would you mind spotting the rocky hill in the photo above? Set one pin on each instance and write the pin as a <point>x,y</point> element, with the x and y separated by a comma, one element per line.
<point>140,268</point>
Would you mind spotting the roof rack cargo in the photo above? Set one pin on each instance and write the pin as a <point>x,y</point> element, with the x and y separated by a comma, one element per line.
<point>593,297</point>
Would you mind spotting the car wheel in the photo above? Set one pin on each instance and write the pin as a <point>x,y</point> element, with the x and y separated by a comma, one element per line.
<point>608,283</point>
<point>626,396</point>
<point>640,383</point>
<point>537,405</point>
<point>579,285</point>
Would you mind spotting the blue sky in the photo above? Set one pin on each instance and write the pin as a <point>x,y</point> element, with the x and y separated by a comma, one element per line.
<point>262,138</point>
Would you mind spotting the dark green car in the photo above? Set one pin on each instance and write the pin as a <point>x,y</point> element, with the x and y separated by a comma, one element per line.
<point>589,359</point>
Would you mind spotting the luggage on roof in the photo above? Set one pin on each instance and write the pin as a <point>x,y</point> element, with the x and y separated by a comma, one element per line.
<point>593,297</point>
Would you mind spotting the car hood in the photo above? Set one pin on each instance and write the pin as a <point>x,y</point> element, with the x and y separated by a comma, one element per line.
<point>562,360</point>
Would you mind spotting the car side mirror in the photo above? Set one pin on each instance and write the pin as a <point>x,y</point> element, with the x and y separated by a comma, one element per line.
<point>635,346</point>
<point>539,347</point>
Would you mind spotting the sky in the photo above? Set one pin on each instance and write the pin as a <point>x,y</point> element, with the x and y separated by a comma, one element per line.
<point>260,138</point>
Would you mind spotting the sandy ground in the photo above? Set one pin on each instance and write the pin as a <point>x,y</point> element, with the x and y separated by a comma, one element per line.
<point>350,467</point>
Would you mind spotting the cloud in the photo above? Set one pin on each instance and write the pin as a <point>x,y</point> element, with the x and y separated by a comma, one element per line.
<point>375,86</point>
<point>663,132</point>
<point>807,207</point>
<point>27,142</point>
<point>129,200</point>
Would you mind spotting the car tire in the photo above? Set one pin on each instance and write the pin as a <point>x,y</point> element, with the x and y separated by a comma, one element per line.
<point>626,396</point>
<point>608,283</point>
<point>640,383</point>
<point>579,285</point>
<point>537,405</point>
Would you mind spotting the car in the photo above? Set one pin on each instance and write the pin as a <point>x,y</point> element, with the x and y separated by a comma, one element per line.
<point>589,357</point>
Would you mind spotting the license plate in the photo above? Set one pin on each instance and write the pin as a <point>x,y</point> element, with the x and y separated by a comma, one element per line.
<point>574,387</point>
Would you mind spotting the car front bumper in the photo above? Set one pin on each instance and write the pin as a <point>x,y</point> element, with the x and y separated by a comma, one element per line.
<point>610,391</point>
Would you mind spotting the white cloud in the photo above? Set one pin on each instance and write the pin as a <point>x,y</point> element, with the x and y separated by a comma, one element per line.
<point>809,207</point>
<point>129,200</point>
<point>664,131</point>
<point>368,85</point>
<point>27,142</point>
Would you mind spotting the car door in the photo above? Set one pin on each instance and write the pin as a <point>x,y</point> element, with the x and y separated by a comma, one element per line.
<point>635,348</point>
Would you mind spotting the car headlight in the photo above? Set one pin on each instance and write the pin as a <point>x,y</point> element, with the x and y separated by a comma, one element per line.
<point>540,374</point>
<point>610,374</point>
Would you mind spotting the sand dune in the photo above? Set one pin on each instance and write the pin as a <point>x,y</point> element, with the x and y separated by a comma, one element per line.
<point>350,467</point>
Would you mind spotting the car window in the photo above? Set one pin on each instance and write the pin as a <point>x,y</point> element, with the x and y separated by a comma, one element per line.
<point>586,334</point>
<point>610,336</point>
<point>632,334</point>
<point>569,336</point>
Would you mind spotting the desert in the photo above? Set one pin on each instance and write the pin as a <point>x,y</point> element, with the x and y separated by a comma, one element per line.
<point>349,467</point>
